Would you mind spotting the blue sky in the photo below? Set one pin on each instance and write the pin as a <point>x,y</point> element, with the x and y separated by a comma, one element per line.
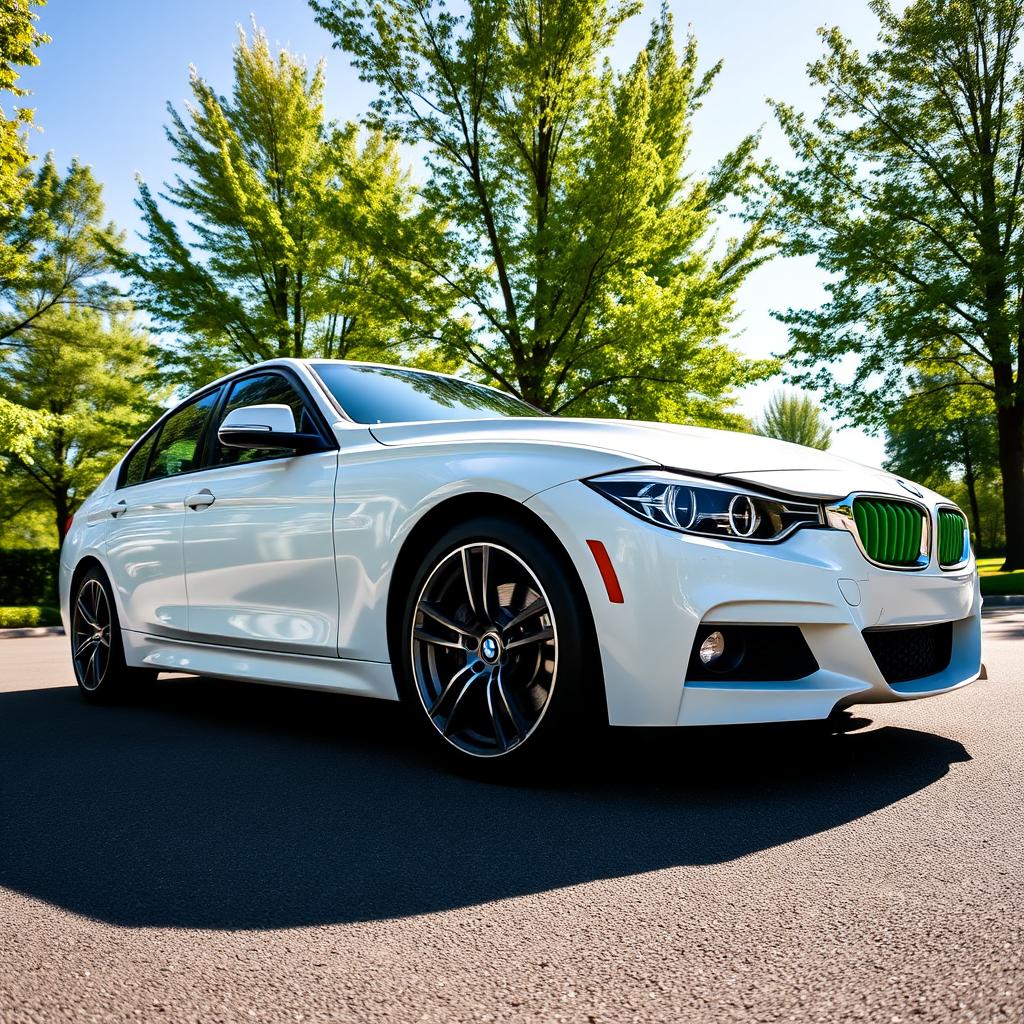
<point>101,91</point>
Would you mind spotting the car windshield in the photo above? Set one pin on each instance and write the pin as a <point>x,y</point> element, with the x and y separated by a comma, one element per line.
<point>388,394</point>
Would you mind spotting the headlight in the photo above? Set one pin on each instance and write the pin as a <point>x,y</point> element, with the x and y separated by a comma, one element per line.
<point>710,509</point>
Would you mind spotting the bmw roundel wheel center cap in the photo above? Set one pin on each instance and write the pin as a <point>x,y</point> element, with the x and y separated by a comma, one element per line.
<point>491,648</point>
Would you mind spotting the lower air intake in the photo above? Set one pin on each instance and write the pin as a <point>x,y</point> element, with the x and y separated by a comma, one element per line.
<point>752,654</point>
<point>911,652</point>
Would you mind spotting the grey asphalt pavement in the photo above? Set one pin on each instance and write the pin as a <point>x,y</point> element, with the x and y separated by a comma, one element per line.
<point>216,852</point>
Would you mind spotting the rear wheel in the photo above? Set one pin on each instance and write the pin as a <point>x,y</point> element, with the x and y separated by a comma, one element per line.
<point>497,656</point>
<point>97,651</point>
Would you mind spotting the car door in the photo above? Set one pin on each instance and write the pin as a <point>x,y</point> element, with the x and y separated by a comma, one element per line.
<point>144,540</point>
<point>258,537</point>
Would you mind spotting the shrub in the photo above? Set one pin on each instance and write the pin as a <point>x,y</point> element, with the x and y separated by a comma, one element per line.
<point>28,576</point>
<point>31,615</point>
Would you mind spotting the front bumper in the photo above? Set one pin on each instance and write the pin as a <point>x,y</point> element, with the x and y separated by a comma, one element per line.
<point>817,579</point>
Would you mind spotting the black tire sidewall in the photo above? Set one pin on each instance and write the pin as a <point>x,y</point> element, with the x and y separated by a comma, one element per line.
<point>571,713</point>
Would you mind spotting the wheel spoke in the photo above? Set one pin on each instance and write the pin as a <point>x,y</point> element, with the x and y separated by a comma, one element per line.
<point>86,643</point>
<point>84,615</point>
<point>467,576</point>
<point>485,572</point>
<point>427,638</point>
<point>516,718</point>
<point>449,688</point>
<point>99,664</point>
<point>437,615</point>
<point>90,667</point>
<point>458,700</point>
<point>538,607</point>
<point>492,710</point>
<point>534,638</point>
<point>477,583</point>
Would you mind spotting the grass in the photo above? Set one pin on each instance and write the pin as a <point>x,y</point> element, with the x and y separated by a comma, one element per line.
<point>31,615</point>
<point>995,582</point>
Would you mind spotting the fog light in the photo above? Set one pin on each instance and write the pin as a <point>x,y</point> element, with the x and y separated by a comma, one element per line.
<point>712,648</point>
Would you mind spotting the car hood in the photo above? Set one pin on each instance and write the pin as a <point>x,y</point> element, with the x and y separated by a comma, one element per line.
<point>716,453</point>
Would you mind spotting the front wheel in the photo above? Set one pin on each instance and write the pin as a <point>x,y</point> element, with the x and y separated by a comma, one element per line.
<point>497,656</point>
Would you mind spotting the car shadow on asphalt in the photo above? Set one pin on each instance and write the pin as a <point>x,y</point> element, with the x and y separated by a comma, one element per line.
<point>1004,623</point>
<point>219,805</point>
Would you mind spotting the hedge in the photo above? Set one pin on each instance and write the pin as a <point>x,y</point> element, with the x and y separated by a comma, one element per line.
<point>28,576</point>
<point>32,615</point>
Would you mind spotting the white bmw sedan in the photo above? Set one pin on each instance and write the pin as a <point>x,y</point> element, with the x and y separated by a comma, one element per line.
<point>513,578</point>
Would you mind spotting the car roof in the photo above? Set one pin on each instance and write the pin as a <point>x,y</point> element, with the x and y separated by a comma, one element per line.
<point>313,361</point>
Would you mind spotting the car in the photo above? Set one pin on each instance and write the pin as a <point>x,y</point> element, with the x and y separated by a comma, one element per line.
<point>519,580</point>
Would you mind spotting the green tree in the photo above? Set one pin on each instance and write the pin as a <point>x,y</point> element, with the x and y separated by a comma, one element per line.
<point>59,242</point>
<point>93,376</point>
<point>794,417</point>
<point>19,40</point>
<point>63,245</point>
<point>909,191</point>
<point>936,435</point>
<point>581,254</point>
<point>274,270</point>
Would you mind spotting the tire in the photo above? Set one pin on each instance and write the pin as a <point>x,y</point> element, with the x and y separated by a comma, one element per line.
<point>496,656</point>
<point>97,650</point>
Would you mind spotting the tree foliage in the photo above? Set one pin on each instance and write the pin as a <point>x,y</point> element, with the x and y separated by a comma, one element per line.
<point>909,191</point>
<point>797,418</point>
<point>62,246</point>
<point>937,436</point>
<point>56,242</point>
<point>19,39</point>
<point>581,254</point>
<point>274,269</point>
<point>93,379</point>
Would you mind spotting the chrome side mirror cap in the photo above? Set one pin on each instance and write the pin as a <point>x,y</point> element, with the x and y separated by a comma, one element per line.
<point>266,426</point>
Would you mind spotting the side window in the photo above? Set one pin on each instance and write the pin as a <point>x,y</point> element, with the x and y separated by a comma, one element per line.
<point>136,468</point>
<point>266,389</point>
<point>178,443</point>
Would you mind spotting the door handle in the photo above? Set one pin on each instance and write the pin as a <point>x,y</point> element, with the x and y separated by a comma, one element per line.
<point>119,509</point>
<point>204,499</point>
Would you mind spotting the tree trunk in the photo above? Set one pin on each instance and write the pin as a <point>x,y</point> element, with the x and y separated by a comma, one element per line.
<point>62,511</point>
<point>297,340</point>
<point>971,483</point>
<point>1010,423</point>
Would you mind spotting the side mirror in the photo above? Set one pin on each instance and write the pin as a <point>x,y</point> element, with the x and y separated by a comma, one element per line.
<point>266,426</point>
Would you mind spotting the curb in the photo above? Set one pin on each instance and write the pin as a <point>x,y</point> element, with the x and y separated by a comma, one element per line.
<point>1003,601</point>
<point>22,631</point>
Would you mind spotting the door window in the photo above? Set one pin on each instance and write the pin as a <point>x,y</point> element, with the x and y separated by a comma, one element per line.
<point>135,470</point>
<point>179,444</point>
<point>264,389</point>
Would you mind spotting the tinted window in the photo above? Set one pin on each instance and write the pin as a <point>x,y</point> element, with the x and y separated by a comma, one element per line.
<point>384,394</point>
<point>135,470</point>
<point>178,443</point>
<point>266,389</point>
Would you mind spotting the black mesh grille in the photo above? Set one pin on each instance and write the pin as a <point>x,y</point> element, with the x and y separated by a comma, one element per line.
<point>911,652</point>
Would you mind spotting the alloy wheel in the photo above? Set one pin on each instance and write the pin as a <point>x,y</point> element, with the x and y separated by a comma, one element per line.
<point>484,649</point>
<point>91,634</point>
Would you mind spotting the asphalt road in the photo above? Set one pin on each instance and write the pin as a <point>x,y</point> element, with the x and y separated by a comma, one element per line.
<point>228,853</point>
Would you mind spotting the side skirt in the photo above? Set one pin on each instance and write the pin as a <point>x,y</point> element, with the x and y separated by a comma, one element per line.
<point>364,678</point>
